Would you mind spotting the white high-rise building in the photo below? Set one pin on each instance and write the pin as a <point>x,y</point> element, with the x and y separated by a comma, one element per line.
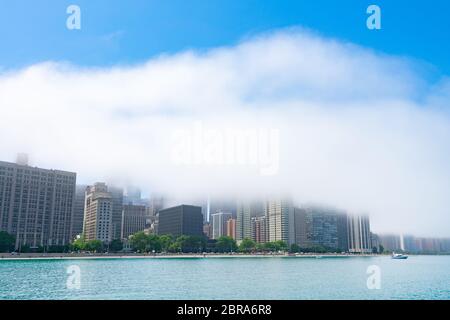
<point>280,221</point>
<point>359,237</point>
<point>219,224</point>
<point>98,214</point>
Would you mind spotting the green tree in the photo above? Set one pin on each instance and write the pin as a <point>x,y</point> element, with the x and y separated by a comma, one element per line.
<point>260,247</point>
<point>116,245</point>
<point>165,240</point>
<point>94,245</point>
<point>280,245</point>
<point>153,243</point>
<point>294,248</point>
<point>79,244</point>
<point>139,241</point>
<point>226,244</point>
<point>247,245</point>
<point>191,243</point>
<point>270,246</point>
<point>7,242</point>
<point>174,247</point>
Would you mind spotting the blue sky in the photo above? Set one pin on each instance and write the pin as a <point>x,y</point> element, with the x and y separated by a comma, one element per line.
<point>127,32</point>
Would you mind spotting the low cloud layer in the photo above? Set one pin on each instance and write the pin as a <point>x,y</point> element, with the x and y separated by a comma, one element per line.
<point>335,124</point>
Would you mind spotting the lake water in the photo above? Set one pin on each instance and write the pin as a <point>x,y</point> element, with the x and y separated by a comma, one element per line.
<point>418,277</point>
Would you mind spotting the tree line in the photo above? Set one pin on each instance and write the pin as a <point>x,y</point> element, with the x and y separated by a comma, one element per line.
<point>145,243</point>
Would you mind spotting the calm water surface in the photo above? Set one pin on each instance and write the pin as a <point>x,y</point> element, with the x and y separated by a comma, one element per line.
<point>419,277</point>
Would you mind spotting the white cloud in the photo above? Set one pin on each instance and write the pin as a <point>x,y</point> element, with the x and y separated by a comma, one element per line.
<point>358,129</point>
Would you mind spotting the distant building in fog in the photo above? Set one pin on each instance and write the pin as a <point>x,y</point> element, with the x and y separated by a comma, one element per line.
<point>280,221</point>
<point>231,228</point>
<point>359,236</point>
<point>117,199</point>
<point>390,242</point>
<point>259,229</point>
<point>134,219</point>
<point>207,230</point>
<point>243,221</point>
<point>219,224</point>
<point>322,227</point>
<point>301,227</point>
<point>78,211</point>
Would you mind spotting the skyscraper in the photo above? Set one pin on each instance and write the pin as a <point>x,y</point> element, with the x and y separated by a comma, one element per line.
<point>78,211</point>
<point>243,221</point>
<point>219,224</point>
<point>359,236</point>
<point>280,221</point>
<point>36,205</point>
<point>117,200</point>
<point>323,227</point>
<point>245,210</point>
<point>259,229</point>
<point>301,227</point>
<point>181,220</point>
<point>231,228</point>
<point>342,231</point>
<point>134,219</point>
<point>98,214</point>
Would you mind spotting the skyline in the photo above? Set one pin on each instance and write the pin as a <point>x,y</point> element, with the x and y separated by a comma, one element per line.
<point>349,133</point>
<point>144,203</point>
<point>294,100</point>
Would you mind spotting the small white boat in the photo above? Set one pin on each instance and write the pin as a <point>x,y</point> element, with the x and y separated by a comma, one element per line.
<point>399,256</point>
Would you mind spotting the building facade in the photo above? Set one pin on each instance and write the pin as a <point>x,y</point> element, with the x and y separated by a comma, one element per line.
<point>359,235</point>
<point>243,220</point>
<point>322,228</point>
<point>78,211</point>
<point>36,205</point>
<point>134,219</point>
<point>181,220</point>
<point>259,229</point>
<point>117,200</point>
<point>231,228</point>
<point>98,214</point>
<point>219,224</point>
<point>280,221</point>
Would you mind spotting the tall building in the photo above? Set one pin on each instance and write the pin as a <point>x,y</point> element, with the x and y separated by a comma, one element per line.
<point>78,211</point>
<point>181,220</point>
<point>219,224</point>
<point>231,228</point>
<point>390,242</point>
<point>117,200</point>
<point>98,214</point>
<point>243,221</point>
<point>280,221</point>
<point>245,210</point>
<point>207,230</point>
<point>134,219</point>
<point>359,236</point>
<point>259,229</point>
<point>301,227</point>
<point>36,205</point>
<point>342,231</point>
<point>156,203</point>
<point>323,227</point>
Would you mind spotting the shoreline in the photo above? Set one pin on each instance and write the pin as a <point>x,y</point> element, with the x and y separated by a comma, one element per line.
<point>78,256</point>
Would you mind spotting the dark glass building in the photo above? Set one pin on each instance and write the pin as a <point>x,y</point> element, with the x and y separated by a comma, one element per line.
<point>181,220</point>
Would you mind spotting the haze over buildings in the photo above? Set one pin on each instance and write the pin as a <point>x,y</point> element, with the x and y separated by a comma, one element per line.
<point>355,129</point>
